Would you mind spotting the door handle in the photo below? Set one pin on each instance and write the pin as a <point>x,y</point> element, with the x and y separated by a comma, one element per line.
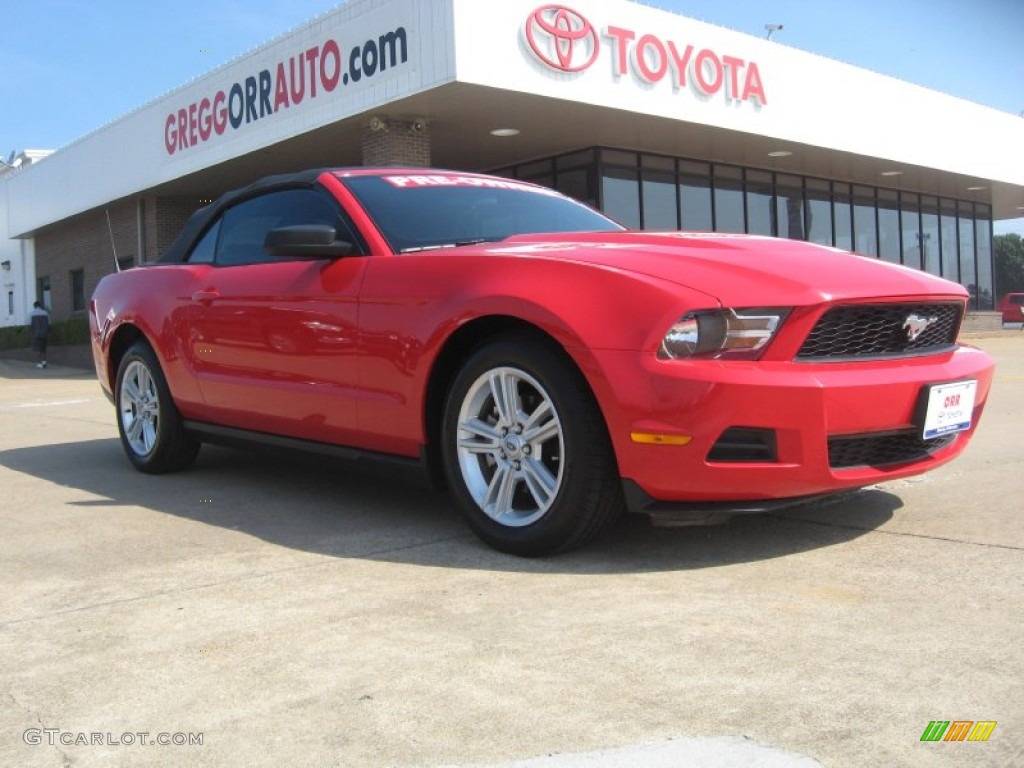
<point>205,296</point>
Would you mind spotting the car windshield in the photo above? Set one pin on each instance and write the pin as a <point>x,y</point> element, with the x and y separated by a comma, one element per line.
<point>445,210</point>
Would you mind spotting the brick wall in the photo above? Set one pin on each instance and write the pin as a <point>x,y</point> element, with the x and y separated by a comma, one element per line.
<point>83,242</point>
<point>165,218</point>
<point>399,142</point>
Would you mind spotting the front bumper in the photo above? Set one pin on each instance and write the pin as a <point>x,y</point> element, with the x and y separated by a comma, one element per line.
<point>802,405</point>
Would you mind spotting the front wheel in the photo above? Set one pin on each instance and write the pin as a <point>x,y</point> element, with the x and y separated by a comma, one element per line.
<point>526,452</point>
<point>150,426</point>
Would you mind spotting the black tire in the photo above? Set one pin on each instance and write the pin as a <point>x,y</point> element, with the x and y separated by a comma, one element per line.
<point>549,483</point>
<point>150,426</point>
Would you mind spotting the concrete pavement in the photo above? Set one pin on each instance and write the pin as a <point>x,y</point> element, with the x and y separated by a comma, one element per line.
<point>292,615</point>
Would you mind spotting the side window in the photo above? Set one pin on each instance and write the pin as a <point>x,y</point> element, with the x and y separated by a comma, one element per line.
<point>244,227</point>
<point>204,250</point>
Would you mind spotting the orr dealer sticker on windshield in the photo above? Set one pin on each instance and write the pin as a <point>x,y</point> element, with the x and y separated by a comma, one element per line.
<point>949,408</point>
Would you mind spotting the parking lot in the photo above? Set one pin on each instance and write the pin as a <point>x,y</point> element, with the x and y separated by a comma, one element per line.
<point>303,615</point>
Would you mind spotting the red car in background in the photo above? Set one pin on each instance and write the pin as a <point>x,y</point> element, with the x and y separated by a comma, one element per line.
<point>1012,307</point>
<point>547,366</point>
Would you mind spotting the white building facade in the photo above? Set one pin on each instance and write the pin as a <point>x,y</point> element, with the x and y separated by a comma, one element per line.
<point>662,121</point>
<point>17,256</point>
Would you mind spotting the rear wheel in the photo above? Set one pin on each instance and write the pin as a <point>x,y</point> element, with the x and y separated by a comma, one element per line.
<point>150,426</point>
<point>526,451</point>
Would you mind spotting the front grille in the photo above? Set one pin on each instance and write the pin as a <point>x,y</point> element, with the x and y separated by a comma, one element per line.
<point>744,444</point>
<point>877,330</point>
<point>879,450</point>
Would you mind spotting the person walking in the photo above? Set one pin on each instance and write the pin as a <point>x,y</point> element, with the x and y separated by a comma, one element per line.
<point>39,320</point>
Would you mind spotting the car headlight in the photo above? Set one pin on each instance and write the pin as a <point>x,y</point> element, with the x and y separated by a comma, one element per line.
<point>722,333</point>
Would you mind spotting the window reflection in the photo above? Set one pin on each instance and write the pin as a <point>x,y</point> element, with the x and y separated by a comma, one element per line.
<point>818,213</point>
<point>949,241</point>
<point>983,242</point>
<point>968,278</point>
<point>576,183</point>
<point>931,241</point>
<point>659,198</point>
<point>888,226</point>
<point>729,199</point>
<point>842,216</point>
<point>910,225</point>
<point>620,196</point>
<point>789,207</point>
<point>695,202</point>
<point>759,203</point>
<point>865,221</point>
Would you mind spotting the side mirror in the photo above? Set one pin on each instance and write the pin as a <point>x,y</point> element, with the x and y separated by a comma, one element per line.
<point>306,240</point>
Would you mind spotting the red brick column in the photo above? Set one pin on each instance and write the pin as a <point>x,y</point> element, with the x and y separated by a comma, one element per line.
<point>392,141</point>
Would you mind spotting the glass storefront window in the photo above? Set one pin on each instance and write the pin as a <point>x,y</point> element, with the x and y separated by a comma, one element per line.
<point>620,196</point>
<point>910,225</point>
<point>930,238</point>
<point>789,206</point>
<point>729,199</point>
<point>759,203</point>
<point>865,225</point>
<point>695,204</point>
<point>818,212</point>
<point>950,241</point>
<point>842,215</point>
<point>888,225</point>
<point>968,278</point>
<point>541,172</point>
<point>660,210</point>
<point>942,236</point>
<point>983,241</point>
<point>576,184</point>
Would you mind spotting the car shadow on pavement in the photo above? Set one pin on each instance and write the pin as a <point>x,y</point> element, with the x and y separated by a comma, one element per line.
<point>347,514</point>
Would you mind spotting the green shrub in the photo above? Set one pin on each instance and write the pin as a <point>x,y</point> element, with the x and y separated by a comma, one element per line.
<point>14,337</point>
<point>74,330</point>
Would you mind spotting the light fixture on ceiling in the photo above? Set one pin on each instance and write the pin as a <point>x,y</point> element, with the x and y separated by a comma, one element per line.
<point>503,133</point>
<point>780,153</point>
<point>892,173</point>
<point>975,188</point>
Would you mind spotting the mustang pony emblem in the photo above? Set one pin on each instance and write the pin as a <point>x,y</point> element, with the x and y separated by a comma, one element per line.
<point>915,325</point>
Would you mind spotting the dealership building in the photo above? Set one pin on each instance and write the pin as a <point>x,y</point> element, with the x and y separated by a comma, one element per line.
<point>662,121</point>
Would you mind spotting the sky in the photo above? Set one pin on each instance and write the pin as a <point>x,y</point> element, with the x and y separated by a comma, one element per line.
<point>68,67</point>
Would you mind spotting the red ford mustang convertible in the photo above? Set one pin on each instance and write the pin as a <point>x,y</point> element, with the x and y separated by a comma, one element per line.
<point>548,367</point>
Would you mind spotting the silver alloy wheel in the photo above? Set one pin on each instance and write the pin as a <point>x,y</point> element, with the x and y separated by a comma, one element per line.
<point>139,405</point>
<point>510,446</point>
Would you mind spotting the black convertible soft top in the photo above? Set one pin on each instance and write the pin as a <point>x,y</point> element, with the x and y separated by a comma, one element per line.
<point>198,221</point>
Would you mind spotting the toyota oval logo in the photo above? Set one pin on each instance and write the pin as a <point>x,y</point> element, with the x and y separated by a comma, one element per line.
<point>562,38</point>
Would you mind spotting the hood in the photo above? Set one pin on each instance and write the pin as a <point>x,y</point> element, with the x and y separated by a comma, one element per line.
<point>738,270</point>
